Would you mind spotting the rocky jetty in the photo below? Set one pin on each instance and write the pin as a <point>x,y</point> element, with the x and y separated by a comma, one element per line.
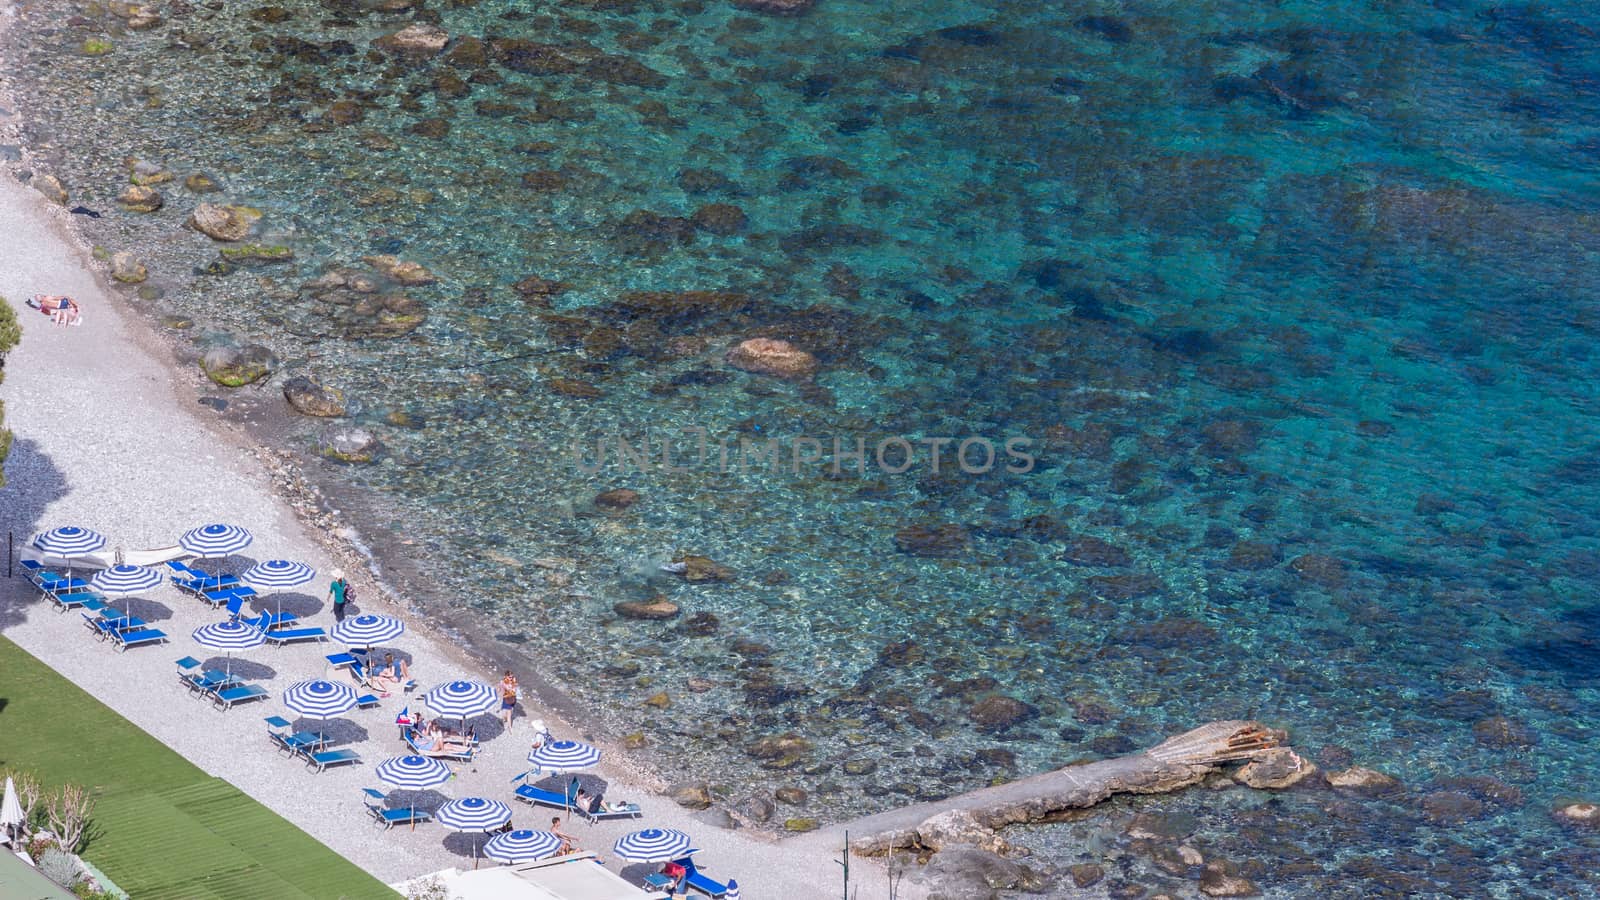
<point>969,825</point>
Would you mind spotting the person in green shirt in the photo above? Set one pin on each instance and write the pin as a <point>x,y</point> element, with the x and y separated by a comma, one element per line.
<point>338,593</point>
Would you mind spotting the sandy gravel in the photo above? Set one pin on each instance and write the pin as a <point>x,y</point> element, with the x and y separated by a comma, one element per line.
<point>108,436</point>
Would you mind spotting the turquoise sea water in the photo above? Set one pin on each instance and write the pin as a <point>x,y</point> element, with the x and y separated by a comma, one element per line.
<point>1297,303</point>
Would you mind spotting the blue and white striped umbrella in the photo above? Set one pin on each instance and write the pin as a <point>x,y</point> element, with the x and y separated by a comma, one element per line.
<point>461,699</point>
<point>564,756</point>
<point>318,699</point>
<point>654,845</point>
<point>215,540</point>
<point>69,541</point>
<point>733,890</point>
<point>521,845</point>
<point>125,580</point>
<point>473,814</point>
<point>229,636</point>
<point>413,772</point>
<point>368,630</point>
<point>122,580</point>
<point>277,574</point>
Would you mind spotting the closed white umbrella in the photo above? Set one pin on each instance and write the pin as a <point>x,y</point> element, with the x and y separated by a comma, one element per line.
<point>11,812</point>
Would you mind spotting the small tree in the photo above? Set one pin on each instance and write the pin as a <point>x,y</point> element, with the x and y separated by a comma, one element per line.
<point>68,811</point>
<point>28,789</point>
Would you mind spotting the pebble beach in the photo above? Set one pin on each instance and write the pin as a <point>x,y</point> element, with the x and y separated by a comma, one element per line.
<point>115,447</point>
<point>1287,310</point>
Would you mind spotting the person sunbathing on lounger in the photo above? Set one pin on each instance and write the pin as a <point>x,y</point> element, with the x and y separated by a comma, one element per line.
<point>61,309</point>
<point>432,743</point>
<point>391,675</point>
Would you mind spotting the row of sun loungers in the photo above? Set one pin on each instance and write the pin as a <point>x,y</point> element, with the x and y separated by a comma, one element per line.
<point>310,746</point>
<point>221,688</point>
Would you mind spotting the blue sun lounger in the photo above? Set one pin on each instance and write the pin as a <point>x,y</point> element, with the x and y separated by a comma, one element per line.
<point>626,811</point>
<point>462,755</point>
<point>61,584</point>
<point>321,761</point>
<point>88,600</point>
<point>697,880</point>
<point>209,682</point>
<point>227,697</point>
<point>109,622</point>
<point>291,635</point>
<point>389,818</point>
<point>137,637</point>
<point>269,620</point>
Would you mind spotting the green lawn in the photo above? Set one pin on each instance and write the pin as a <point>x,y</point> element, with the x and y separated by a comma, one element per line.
<point>161,827</point>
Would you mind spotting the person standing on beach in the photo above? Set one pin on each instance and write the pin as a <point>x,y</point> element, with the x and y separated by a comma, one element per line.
<point>338,592</point>
<point>508,698</point>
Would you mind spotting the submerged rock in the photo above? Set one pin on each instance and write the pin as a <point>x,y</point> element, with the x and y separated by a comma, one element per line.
<point>50,186</point>
<point>1451,807</point>
<point>653,609</point>
<point>201,183</point>
<point>238,366</point>
<point>1275,769</point>
<point>309,397</point>
<point>999,712</point>
<point>417,40</point>
<point>943,540</point>
<point>690,794</point>
<point>1086,875</point>
<point>407,273</point>
<point>757,809</point>
<point>138,198</point>
<point>1583,814</point>
<point>223,223</point>
<point>127,269</point>
<point>256,254</point>
<point>766,356</point>
<point>776,7</point>
<point>1361,779</point>
<point>1503,733</point>
<point>963,871</point>
<point>616,499</point>
<point>1218,880</point>
<point>351,445</point>
<point>700,569</point>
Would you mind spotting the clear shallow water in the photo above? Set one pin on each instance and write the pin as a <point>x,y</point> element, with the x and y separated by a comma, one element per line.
<point>1298,305</point>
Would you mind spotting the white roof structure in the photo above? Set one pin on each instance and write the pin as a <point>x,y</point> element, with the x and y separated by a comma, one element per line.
<point>574,877</point>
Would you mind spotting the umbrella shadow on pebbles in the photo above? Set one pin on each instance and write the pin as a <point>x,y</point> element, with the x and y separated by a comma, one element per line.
<point>336,730</point>
<point>302,605</point>
<point>592,784</point>
<point>464,843</point>
<point>634,873</point>
<point>429,800</point>
<point>148,610</point>
<point>241,668</point>
<point>484,728</point>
